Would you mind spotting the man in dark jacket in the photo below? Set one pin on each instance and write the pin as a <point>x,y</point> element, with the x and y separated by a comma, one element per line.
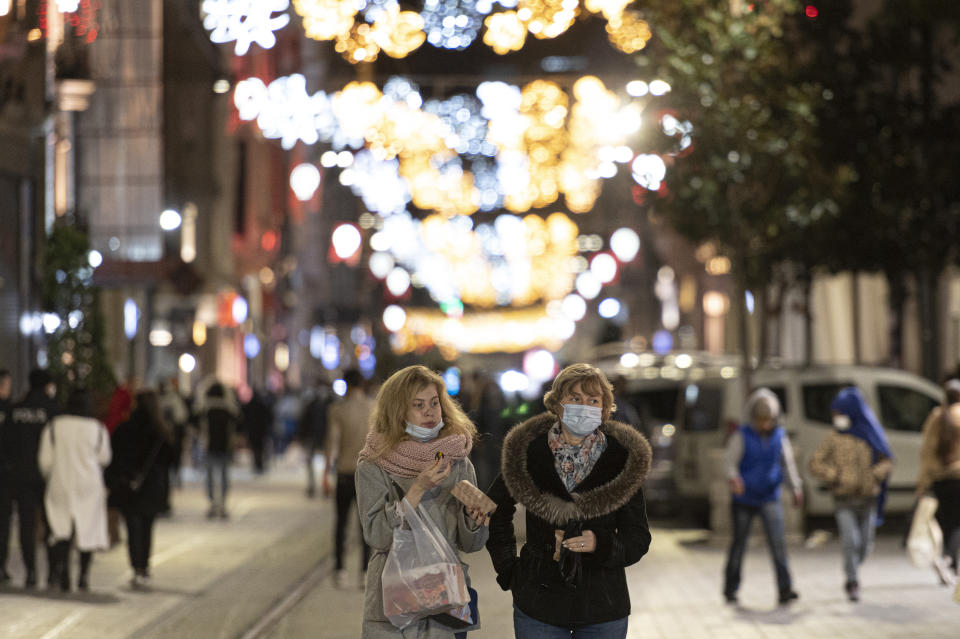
<point>257,418</point>
<point>25,423</point>
<point>312,431</point>
<point>6,385</point>
<point>220,416</point>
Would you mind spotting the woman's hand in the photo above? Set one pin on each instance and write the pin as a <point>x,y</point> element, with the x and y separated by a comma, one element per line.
<point>426,480</point>
<point>587,542</point>
<point>477,515</point>
<point>433,475</point>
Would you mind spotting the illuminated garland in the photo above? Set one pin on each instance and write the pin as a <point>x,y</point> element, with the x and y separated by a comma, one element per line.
<point>504,147</point>
<point>361,29</point>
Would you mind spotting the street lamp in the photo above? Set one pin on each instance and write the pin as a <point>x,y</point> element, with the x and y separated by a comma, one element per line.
<point>170,220</point>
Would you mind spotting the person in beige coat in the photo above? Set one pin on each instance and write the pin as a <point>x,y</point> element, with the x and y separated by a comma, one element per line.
<point>348,421</point>
<point>74,450</point>
<point>940,473</point>
<point>414,420</point>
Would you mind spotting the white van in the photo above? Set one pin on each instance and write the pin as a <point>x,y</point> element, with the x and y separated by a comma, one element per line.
<point>711,406</point>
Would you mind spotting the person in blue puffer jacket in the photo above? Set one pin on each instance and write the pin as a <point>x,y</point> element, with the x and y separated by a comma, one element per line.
<point>758,457</point>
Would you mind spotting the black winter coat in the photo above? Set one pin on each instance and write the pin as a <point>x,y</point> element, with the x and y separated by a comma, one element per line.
<point>581,588</point>
<point>133,443</point>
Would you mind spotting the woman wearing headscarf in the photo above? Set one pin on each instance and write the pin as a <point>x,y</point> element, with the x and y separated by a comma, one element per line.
<point>579,475</point>
<point>74,448</point>
<point>855,460</point>
<point>940,472</point>
<point>417,449</point>
<point>758,457</point>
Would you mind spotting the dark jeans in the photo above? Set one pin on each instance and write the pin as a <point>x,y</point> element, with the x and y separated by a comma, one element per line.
<point>771,514</point>
<point>947,492</point>
<point>139,540</point>
<point>218,466</point>
<point>6,511</point>
<point>29,498</point>
<point>346,496</point>
<point>526,627</point>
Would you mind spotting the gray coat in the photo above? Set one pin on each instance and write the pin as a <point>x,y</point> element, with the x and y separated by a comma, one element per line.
<point>376,500</point>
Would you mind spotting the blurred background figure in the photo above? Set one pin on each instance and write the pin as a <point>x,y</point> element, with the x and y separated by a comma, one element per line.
<point>176,414</point>
<point>143,452</point>
<point>286,419</point>
<point>24,426</point>
<point>348,423</point>
<point>625,413</point>
<point>485,406</point>
<point>6,387</point>
<point>758,456</point>
<point>74,450</point>
<point>940,473</point>
<point>219,417</point>
<point>312,432</point>
<point>118,411</point>
<point>257,417</point>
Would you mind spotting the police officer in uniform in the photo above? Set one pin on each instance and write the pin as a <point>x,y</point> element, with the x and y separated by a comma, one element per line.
<point>25,423</point>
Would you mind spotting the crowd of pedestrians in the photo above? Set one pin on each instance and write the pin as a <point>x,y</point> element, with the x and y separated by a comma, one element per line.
<point>574,467</point>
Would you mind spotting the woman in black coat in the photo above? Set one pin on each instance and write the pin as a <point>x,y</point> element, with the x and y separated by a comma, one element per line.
<point>579,476</point>
<point>138,478</point>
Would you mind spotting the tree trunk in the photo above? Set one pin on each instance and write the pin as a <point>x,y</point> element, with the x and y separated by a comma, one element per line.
<point>807,325</point>
<point>855,306</point>
<point>744,333</point>
<point>898,296</point>
<point>927,307</point>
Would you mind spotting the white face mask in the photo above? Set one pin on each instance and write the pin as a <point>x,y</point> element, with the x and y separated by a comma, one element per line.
<point>422,434</point>
<point>841,422</point>
<point>581,420</point>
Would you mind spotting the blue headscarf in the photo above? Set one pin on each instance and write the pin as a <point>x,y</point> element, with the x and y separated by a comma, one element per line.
<point>865,425</point>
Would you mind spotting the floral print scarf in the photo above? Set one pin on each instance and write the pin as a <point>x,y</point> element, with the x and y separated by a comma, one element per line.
<point>575,461</point>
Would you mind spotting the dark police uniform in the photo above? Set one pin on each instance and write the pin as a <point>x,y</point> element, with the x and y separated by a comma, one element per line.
<point>24,424</point>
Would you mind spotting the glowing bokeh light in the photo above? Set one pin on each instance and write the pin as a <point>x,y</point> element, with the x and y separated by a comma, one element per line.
<point>305,180</point>
<point>394,318</point>
<point>625,244</point>
<point>609,308</point>
<point>346,240</point>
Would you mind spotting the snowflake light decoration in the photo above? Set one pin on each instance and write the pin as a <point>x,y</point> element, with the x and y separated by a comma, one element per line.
<point>244,21</point>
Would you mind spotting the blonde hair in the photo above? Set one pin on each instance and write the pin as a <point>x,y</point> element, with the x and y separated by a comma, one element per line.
<point>389,418</point>
<point>591,380</point>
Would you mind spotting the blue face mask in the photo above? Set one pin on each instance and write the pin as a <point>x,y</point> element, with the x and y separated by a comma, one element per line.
<point>422,434</point>
<point>581,420</point>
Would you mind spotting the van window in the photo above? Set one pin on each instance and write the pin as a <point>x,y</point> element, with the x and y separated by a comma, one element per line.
<point>817,399</point>
<point>701,407</point>
<point>903,408</point>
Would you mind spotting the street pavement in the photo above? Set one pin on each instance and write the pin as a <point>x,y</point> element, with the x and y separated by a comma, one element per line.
<point>267,572</point>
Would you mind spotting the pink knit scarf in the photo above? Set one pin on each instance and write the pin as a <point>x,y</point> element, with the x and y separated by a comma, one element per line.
<point>409,458</point>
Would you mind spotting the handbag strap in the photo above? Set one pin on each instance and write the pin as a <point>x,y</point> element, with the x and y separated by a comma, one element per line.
<point>149,461</point>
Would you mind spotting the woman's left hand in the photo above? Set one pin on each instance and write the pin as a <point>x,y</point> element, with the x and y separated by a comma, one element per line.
<point>477,515</point>
<point>587,542</point>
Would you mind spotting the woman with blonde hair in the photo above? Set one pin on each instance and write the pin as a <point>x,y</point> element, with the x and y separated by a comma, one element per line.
<point>579,474</point>
<point>417,449</point>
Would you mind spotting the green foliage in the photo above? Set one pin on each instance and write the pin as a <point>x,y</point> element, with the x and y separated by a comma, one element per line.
<point>75,350</point>
<point>752,181</point>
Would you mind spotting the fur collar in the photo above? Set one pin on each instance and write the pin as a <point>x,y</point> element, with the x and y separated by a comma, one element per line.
<point>590,503</point>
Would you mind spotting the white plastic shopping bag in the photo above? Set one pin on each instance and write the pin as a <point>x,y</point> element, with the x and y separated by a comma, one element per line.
<point>423,575</point>
<point>925,539</point>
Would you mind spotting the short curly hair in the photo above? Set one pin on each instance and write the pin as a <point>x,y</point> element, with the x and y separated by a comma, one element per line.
<point>591,379</point>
